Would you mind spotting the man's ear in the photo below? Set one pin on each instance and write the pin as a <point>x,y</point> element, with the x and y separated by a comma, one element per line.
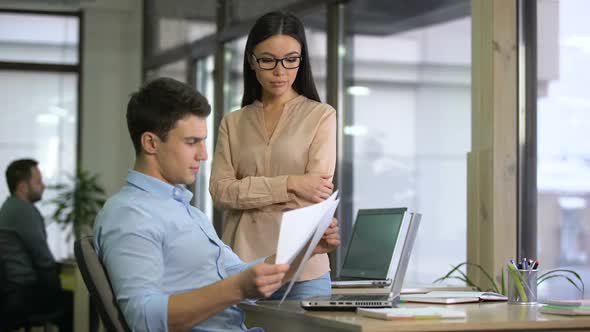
<point>149,142</point>
<point>21,187</point>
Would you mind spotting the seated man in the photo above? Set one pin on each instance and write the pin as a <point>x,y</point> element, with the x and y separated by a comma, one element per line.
<point>31,282</point>
<point>168,268</point>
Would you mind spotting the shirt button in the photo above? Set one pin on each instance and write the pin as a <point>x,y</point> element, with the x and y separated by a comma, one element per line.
<point>176,193</point>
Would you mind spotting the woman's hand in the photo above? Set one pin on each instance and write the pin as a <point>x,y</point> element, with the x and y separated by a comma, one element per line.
<point>314,188</point>
<point>330,240</point>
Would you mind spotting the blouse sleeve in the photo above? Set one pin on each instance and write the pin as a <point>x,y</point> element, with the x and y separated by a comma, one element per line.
<point>322,151</point>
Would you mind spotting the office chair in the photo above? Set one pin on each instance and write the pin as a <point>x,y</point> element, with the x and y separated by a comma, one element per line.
<point>99,285</point>
<point>15,257</point>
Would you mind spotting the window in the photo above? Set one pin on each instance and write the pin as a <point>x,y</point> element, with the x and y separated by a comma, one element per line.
<point>563,133</point>
<point>408,127</point>
<point>38,38</point>
<point>204,84</point>
<point>39,77</point>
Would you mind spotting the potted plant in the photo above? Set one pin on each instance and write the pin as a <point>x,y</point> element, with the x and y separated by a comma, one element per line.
<point>78,203</point>
<point>456,273</point>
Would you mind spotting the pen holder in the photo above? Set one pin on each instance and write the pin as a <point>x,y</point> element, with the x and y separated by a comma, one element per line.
<point>522,286</point>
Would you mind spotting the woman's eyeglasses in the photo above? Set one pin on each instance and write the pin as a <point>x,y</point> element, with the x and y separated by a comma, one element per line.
<point>267,63</point>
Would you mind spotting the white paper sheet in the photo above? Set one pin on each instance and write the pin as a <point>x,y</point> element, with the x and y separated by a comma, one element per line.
<point>297,228</point>
<point>302,227</point>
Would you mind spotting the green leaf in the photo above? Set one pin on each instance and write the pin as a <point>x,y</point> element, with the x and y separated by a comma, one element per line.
<point>502,283</point>
<point>78,202</point>
<point>492,281</point>
<point>450,272</point>
<point>469,281</point>
<point>571,281</point>
<point>554,271</point>
<point>463,276</point>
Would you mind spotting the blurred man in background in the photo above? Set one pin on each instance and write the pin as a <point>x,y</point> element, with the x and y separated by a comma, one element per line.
<point>29,279</point>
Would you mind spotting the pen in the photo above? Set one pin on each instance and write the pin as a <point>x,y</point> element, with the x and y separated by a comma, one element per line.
<point>525,265</point>
<point>513,264</point>
<point>535,265</point>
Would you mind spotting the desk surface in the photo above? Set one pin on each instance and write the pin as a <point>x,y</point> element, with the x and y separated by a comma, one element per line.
<point>480,317</point>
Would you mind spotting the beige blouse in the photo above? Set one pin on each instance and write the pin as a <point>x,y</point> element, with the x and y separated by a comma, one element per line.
<point>249,173</point>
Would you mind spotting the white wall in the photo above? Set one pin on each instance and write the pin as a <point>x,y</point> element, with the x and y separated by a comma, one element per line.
<point>111,72</point>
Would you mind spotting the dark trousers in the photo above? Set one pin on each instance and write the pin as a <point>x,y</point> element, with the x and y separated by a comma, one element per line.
<point>20,303</point>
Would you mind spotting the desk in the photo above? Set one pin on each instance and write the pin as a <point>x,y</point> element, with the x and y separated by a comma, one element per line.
<point>480,317</point>
<point>71,280</point>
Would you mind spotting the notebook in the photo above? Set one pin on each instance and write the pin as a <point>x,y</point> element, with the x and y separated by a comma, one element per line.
<point>374,235</point>
<point>574,303</point>
<point>566,307</point>
<point>402,252</point>
<point>441,297</point>
<point>566,310</point>
<point>411,313</point>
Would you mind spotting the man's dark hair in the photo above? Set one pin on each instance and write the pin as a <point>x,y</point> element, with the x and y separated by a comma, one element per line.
<point>159,104</point>
<point>19,170</point>
<point>268,25</point>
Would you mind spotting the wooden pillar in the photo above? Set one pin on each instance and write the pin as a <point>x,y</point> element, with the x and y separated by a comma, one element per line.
<point>492,162</point>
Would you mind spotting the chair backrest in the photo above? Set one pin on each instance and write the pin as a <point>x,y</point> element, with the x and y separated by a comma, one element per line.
<point>99,285</point>
<point>23,282</point>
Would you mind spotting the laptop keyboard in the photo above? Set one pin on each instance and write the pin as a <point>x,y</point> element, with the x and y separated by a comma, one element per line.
<point>354,297</point>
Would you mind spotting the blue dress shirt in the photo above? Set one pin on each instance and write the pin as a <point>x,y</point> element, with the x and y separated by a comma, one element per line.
<point>153,244</point>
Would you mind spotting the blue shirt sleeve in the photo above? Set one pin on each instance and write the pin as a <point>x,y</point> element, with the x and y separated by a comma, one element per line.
<point>131,250</point>
<point>230,262</point>
<point>233,264</point>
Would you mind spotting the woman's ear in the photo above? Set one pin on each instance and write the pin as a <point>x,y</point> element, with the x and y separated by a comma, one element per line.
<point>149,142</point>
<point>252,62</point>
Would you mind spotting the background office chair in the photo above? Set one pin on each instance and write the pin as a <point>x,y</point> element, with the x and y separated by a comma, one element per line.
<point>99,285</point>
<point>17,271</point>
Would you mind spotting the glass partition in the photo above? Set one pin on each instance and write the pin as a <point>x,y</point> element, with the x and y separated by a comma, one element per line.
<point>39,121</point>
<point>204,84</point>
<point>408,102</point>
<point>39,91</point>
<point>563,152</point>
<point>176,70</point>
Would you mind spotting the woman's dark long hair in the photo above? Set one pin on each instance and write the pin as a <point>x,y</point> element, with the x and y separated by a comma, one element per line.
<point>277,23</point>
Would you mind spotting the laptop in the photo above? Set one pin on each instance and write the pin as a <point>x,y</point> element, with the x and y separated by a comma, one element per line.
<point>374,235</point>
<point>403,251</point>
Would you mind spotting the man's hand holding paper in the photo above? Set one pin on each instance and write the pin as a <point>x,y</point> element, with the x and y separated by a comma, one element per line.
<point>306,231</point>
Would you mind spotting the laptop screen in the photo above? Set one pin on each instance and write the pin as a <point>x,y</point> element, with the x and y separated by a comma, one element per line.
<point>373,241</point>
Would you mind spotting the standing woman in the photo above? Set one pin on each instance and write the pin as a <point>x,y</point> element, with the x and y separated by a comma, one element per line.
<point>278,152</point>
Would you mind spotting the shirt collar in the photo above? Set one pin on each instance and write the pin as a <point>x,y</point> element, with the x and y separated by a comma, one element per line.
<point>160,188</point>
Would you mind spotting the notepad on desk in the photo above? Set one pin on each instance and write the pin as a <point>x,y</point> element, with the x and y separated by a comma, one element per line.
<point>441,297</point>
<point>565,307</point>
<point>565,310</point>
<point>572,303</point>
<point>411,313</point>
